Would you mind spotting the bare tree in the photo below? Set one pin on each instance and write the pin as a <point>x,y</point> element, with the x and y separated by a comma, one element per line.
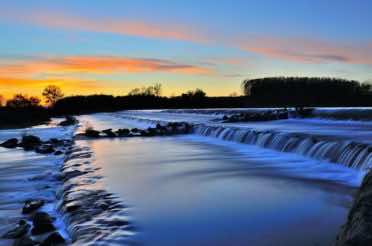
<point>157,89</point>
<point>52,94</point>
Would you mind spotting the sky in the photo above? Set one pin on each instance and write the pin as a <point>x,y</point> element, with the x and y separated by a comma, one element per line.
<point>112,46</point>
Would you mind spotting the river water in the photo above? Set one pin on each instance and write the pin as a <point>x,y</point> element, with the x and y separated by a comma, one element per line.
<point>288,182</point>
<point>196,190</point>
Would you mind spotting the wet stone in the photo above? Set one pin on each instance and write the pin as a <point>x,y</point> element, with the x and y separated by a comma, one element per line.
<point>10,143</point>
<point>32,205</point>
<point>54,239</point>
<point>42,223</point>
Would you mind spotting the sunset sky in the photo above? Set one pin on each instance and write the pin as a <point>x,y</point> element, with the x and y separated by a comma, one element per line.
<point>92,46</point>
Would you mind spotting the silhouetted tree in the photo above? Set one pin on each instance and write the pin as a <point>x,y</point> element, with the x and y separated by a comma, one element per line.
<point>1,100</point>
<point>20,101</point>
<point>157,89</point>
<point>52,94</point>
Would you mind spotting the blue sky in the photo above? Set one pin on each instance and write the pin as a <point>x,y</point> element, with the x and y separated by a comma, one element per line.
<point>112,46</point>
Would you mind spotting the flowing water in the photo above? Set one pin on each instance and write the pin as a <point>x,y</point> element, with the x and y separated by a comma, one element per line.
<point>287,182</point>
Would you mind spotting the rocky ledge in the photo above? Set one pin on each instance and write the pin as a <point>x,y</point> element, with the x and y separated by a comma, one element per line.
<point>172,128</point>
<point>357,231</point>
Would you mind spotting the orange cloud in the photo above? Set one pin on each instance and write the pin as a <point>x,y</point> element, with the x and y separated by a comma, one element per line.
<point>308,51</point>
<point>97,65</point>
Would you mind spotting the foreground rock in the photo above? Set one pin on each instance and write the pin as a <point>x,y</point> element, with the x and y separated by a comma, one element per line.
<point>10,143</point>
<point>358,228</point>
<point>42,223</point>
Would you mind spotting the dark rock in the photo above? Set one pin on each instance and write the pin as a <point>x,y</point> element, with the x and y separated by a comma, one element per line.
<point>53,239</point>
<point>358,227</point>
<point>69,120</point>
<point>30,142</point>
<point>109,133</point>
<point>45,149</point>
<point>32,205</point>
<point>10,143</point>
<point>42,223</point>
<point>135,130</point>
<point>92,133</point>
<point>123,132</point>
<point>24,241</point>
<point>72,208</point>
<point>72,174</point>
<point>58,152</point>
<point>21,229</point>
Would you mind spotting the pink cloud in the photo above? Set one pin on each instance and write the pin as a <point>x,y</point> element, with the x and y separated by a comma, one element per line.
<point>308,51</point>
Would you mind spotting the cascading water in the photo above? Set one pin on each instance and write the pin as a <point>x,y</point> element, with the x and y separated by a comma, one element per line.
<point>347,153</point>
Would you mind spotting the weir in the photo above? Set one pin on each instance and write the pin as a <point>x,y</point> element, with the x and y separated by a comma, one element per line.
<point>339,151</point>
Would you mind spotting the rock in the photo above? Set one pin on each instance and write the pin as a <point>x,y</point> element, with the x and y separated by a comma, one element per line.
<point>135,130</point>
<point>91,133</point>
<point>123,132</point>
<point>32,205</point>
<point>58,152</point>
<point>21,229</point>
<point>72,174</point>
<point>30,142</point>
<point>69,120</point>
<point>53,239</point>
<point>357,229</point>
<point>45,149</point>
<point>42,223</point>
<point>10,143</point>
<point>109,133</point>
<point>24,241</point>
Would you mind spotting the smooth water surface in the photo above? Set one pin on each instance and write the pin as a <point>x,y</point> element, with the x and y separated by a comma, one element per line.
<point>185,192</point>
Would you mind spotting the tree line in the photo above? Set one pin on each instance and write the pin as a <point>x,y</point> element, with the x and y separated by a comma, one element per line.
<point>265,92</point>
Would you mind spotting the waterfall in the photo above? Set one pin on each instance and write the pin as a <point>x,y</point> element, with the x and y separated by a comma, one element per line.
<point>343,152</point>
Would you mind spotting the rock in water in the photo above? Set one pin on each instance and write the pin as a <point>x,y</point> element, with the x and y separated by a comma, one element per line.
<point>24,241</point>
<point>10,143</point>
<point>53,239</point>
<point>69,120</point>
<point>45,149</point>
<point>109,133</point>
<point>42,223</point>
<point>91,133</point>
<point>30,142</point>
<point>21,229</point>
<point>31,205</point>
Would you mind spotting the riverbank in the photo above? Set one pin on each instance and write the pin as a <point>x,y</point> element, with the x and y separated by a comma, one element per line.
<point>357,231</point>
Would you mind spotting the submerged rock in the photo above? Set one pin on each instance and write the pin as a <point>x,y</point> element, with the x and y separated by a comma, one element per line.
<point>32,205</point>
<point>21,229</point>
<point>53,239</point>
<point>58,152</point>
<point>10,143</point>
<point>45,149</point>
<point>42,223</point>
